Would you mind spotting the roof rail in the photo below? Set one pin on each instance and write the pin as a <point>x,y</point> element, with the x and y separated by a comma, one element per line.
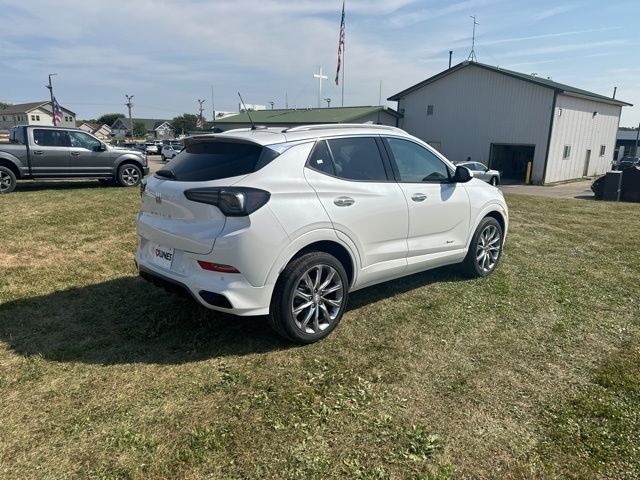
<point>329,126</point>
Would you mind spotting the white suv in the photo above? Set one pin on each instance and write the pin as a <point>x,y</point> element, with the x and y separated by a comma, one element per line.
<point>286,223</point>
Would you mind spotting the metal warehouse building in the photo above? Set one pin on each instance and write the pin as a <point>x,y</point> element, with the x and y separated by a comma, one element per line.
<point>507,119</point>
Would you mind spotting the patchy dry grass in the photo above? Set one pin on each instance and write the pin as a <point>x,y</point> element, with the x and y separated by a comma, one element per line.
<point>531,373</point>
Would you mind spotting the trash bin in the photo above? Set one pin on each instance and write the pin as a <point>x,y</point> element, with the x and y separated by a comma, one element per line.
<point>612,186</point>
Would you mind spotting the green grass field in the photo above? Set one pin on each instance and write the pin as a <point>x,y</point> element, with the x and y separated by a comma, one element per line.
<point>533,372</point>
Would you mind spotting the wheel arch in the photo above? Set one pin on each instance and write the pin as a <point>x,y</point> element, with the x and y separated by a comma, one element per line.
<point>125,160</point>
<point>323,240</point>
<point>334,249</point>
<point>11,166</point>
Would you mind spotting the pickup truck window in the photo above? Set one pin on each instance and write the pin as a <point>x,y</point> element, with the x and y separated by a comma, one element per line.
<point>16,135</point>
<point>50,138</point>
<point>83,140</point>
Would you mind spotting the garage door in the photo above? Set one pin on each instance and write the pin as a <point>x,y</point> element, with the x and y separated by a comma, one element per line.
<point>511,160</point>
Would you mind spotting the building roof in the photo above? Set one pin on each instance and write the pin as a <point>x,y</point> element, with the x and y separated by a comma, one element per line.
<point>306,116</point>
<point>27,107</point>
<point>627,134</point>
<point>149,123</point>
<point>543,82</point>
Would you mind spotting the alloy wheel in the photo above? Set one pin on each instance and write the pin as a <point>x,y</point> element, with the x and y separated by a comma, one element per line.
<point>488,248</point>
<point>130,176</point>
<point>5,182</point>
<point>317,299</point>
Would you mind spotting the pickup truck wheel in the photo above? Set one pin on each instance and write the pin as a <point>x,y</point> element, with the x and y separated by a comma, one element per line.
<point>7,180</point>
<point>129,175</point>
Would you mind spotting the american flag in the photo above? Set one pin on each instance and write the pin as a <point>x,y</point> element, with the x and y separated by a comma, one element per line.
<point>57,112</point>
<point>340,46</point>
<point>200,122</point>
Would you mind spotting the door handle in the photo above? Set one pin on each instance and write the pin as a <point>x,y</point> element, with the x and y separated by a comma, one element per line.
<point>344,201</point>
<point>418,197</point>
<point>38,152</point>
<point>75,154</point>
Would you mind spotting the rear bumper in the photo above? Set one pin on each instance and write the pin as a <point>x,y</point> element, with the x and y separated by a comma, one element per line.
<point>229,293</point>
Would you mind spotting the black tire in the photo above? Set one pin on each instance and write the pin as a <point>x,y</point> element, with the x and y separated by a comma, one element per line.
<point>472,265</point>
<point>129,175</point>
<point>8,180</point>
<point>162,157</point>
<point>494,181</point>
<point>281,316</point>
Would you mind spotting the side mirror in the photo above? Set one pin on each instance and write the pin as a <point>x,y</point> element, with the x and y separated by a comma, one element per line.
<point>100,148</point>
<point>462,175</point>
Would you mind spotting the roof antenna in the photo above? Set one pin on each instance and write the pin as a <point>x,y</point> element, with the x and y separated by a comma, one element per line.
<point>253,126</point>
<point>472,54</point>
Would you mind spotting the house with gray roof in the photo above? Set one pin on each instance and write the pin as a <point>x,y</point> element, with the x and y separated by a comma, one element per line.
<point>34,113</point>
<point>528,127</point>
<point>156,128</point>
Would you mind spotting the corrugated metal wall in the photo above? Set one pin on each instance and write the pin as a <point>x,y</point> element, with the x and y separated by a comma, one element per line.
<point>473,108</point>
<point>576,125</point>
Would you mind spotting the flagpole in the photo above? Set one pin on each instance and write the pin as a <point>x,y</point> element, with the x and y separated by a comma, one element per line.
<point>344,49</point>
<point>343,64</point>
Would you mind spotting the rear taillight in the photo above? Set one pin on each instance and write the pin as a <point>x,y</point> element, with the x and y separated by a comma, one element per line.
<point>232,201</point>
<point>217,267</point>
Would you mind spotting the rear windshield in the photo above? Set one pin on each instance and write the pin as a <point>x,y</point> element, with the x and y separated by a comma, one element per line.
<point>213,160</point>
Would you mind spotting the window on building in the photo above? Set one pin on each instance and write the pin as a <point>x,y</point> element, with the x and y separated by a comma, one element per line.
<point>566,153</point>
<point>603,149</point>
<point>33,117</point>
<point>415,163</point>
<point>429,109</point>
<point>357,158</point>
<point>37,117</point>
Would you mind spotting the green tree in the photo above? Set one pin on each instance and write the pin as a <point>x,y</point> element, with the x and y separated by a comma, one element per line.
<point>109,118</point>
<point>139,130</point>
<point>186,122</point>
<point>4,105</point>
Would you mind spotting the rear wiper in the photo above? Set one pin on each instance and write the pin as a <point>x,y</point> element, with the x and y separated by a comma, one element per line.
<point>166,174</point>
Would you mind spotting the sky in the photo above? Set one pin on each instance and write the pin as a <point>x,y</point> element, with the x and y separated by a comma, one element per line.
<point>170,53</point>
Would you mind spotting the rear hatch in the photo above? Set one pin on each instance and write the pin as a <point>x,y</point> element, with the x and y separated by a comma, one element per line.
<point>168,218</point>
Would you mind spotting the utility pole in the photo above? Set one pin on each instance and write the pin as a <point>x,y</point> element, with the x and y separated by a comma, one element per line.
<point>201,118</point>
<point>450,54</point>
<point>320,78</point>
<point>328,100</point>
<point>129,106</point>
<point>53,107</point>
<point>213,110</point>
<point>472,54</point>
<point>286,100</point>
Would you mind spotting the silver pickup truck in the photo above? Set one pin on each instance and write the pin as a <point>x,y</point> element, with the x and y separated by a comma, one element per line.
<point>35,152</point>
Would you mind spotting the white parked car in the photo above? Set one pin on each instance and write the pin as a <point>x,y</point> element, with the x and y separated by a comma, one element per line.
<point>482,172</point>
<point>286,223</point>
<point>151,149</point>
<point>170,150</point>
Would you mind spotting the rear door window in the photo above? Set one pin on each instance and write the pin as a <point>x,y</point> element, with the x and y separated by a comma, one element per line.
<point>357,158</point>
<point>50,138</point>
<point>320,159</point>
<point>202,161</point>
